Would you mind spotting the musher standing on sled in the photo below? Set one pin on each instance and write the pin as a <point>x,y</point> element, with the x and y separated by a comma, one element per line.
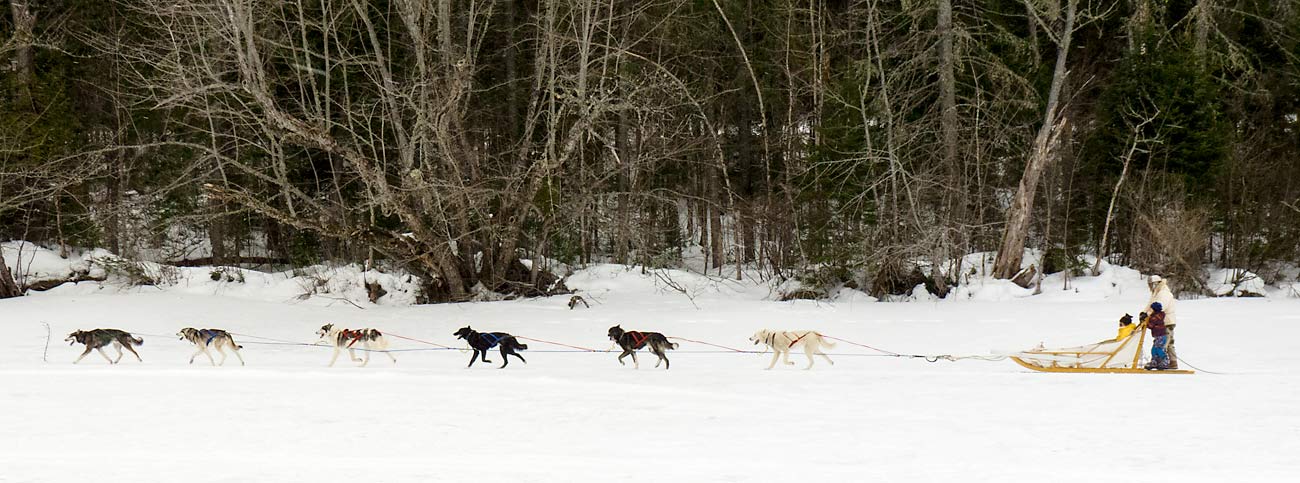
<point>1160,294</point>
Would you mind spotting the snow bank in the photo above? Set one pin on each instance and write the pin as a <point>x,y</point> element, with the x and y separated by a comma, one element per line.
<point>334,283</point>
<point>31,263</point>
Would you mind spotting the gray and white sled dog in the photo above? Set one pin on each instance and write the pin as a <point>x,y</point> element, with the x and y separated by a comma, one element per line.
<point>782,342</point>
<point>97,339</point>
<point>214,338</point>
<point>370,340</point>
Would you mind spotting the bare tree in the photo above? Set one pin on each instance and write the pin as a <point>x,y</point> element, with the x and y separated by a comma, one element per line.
<point>1011,250</point>
<point>1139,142</point>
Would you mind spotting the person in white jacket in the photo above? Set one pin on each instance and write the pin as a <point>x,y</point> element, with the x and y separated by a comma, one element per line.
<point>1160,293</point>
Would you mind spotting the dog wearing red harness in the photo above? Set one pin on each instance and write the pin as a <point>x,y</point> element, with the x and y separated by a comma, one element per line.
<point>783,341</point>
<point>631,340</point>
<point>369,340</point>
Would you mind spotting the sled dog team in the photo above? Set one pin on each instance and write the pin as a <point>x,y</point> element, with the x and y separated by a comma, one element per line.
<point>781,343</point>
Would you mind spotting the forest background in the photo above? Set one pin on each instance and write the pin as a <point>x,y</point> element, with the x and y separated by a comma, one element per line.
<point>870,143</point>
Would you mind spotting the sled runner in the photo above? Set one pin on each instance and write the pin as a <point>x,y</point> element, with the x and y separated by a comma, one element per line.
<point>1112,356</point>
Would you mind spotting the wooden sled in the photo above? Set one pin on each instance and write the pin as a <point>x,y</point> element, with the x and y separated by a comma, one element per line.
<point>1107,357</point>
<point>1096,370</point>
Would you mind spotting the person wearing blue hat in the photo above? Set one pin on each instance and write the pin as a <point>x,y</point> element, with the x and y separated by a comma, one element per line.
<point>1159,335</point>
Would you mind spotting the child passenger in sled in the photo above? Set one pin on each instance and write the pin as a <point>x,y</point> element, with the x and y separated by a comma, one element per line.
<point>1159,335</point>
<point>1126,328</point>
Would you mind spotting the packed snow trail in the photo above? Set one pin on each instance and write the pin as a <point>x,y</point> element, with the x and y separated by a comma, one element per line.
<point>575,416</point>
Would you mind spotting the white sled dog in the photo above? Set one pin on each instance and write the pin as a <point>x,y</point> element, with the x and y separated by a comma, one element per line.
<point>783,341</point>
<point>215,338</point>
<point>370,340</point>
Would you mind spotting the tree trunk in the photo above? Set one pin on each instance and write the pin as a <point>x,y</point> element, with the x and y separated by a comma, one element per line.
<point>24,24</point>
<point>1203,26</point>
<point>947,88</point>
<point>715,238</point>
<point>1012,247</point>
<point>8,288</point>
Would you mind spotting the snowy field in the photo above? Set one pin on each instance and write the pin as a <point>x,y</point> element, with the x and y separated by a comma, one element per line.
<point>582,417</point>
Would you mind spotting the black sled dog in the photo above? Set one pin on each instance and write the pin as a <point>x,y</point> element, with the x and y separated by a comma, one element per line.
<point>481,342</point>
<point>632,340</point>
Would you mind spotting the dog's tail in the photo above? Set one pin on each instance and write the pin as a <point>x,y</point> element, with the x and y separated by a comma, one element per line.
<point>514,343</point>
<point>821,339</point>
<point>135,340</point>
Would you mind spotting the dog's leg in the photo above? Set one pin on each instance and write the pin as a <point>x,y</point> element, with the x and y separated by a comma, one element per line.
<point>235,349</point>
<point>336,356</point>
<point>221,349</point>
<point>197,350</point>
<point>776,354</point>
<point>390,356</point>
<point>808,350</point>
<point>516,354</point>
<point>134,353</point>
<point>353,354</point>
<point>204,348</point>
<point>505,359</point>
<point>367,358</point>
<point>824,356</point>
<point>485,359</point>
<point>118,346</point>
<point>635,363</point>
<point>473,358</point>
<point>663,357</point>
<point>785,356</point>
<point>83,354</point>
<point>100,350</point>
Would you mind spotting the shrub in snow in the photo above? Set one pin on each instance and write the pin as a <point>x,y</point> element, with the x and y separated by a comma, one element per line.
<point>134,273</point>
<point>1230,282</point>
<point>226,274</point>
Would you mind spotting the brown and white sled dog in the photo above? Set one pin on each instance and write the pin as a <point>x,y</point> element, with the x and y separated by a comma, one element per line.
<point>215,338</point>
<point>784,341</point>
<point>97,339</point>
<point>370,340</point>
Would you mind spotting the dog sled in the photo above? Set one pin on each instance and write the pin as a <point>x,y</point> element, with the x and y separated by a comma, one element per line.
<point>1116,356</point>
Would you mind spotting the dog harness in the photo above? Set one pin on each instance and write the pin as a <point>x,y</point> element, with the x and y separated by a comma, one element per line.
<point>637,338</point>
<point>796,340</point>
<point>771,339</point>
<point>491,339</point>
<point>355,335</point>
<point>210,334</point>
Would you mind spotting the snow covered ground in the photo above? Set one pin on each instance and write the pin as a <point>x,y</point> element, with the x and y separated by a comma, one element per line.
<point>581,417</point>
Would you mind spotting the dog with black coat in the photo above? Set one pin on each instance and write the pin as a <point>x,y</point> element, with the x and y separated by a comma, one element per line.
<point>631,340</point>
<point>481,342</point>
